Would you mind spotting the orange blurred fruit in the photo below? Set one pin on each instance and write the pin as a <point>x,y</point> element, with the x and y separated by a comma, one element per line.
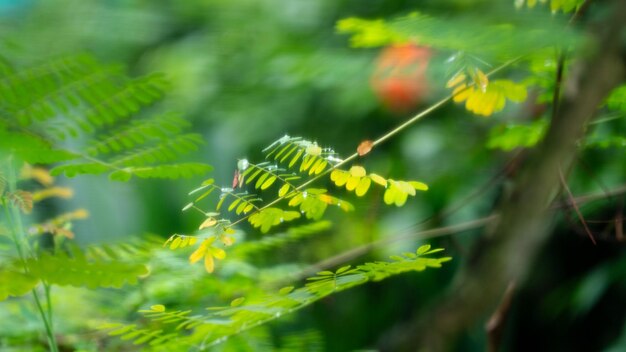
<point>399,79</point>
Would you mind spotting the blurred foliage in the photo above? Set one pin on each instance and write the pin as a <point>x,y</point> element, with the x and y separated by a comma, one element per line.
<point>244,73</point>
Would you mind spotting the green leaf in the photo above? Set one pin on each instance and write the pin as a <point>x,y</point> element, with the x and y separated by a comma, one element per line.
<point>283,190</point>
<point>62,270</point>
<point>237,302</point>
<point>363,186</point>
<point>15,284</point>
<point>269,217</point>
<point>268,182</point>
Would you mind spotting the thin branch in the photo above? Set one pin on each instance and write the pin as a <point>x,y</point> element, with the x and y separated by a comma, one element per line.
<point>380,140</point>
<point>366,248</point>
<point>495,325</point>
<point>356,252</point>
<point>573,203</point>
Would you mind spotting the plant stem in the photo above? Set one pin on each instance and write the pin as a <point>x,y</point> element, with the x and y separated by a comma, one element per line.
<point>48,324</point>
<point>378,141</point>
<point>19,237</point>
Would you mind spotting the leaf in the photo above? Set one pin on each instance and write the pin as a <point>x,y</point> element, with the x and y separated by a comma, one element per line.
<point>357,171</point>
<point>237,301</point>
<point>261,180</point>
<point>510,136</point>
<point>241,207</point>
<point>209,222</point>
<point>339,177</point>
<point>378,179</point>
<point>343,269</point>
<point>419,186</point>
<point>15,284</point>
<point>157,308</point>
<point>234,204</point>
<point>296,158</point>
<point>283,190</point>
<point>365,147</point>
<point>175,243</point>
<point>269,217</point>
<point>218,253</point>
<point>320,167</point>
<point>60,269</point>
<point>285,290</point>
<point>456,80</point>
<point>363,186</point>
<point>120,175</point>
<point>198,254</point>
<point>268,183</point>
<point>209,264</point>
<point>22,200</point>
<point>423,249</point>
<point>352,182</point>
<point>484,97</point>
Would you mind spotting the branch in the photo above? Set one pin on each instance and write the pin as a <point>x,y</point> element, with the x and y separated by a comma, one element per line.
<point>505,254</point>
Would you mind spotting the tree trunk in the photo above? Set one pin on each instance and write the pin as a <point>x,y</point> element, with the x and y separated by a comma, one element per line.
<point>506,252</point>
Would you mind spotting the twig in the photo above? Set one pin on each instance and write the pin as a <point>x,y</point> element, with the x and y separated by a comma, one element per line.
<point>496,323</point>
<point>377,141</point>
<point>434,233</point>
<point>573,203</point>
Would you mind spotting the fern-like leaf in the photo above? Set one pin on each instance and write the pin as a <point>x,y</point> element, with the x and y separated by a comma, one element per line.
<point>225,321</point>
<point>78,96</point>
<point>293,150</point>
<point>293,234</point>
<point>61,269</point>
<point>14,283</point>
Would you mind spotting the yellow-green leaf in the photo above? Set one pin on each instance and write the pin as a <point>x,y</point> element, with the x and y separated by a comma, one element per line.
<point>218,253</point>
<point>353,181</point>
<point>210,222</point>
<point>341,177</point>
<point>261,180</point>
<point>320,167</point>
<point>283,190</point>
<point>400,198</point>
<point>357,171</point>
<point>363,186</point>
<point>307,162</point>
<point>185,242</point>
<point>390,195</point>
<point>209,264</point>
<point>457,79</point>
<point>241,207</point>
<point>419,186</point>
<point>157,308</point>
<point>197,254</point>
<point>285,290</point>
<point>268,182</point>
<point>237,301</point>
<point>295,159</point>
<point>378,179</point>
<point>175,243</point>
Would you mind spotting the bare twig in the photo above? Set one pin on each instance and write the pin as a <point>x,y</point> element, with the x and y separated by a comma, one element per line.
<point>495,325</point>
<point>575,206</point>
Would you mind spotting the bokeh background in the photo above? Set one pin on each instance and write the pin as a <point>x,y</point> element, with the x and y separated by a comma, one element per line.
<point>247,72</point>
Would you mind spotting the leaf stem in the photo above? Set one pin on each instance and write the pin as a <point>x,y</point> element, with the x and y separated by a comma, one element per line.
<point>18,236</point>
<point>378,141</point>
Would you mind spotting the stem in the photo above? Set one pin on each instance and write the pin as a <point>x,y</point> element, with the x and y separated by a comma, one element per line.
<point>378,141</point>
<point>18,235</point>
<point>48,324</point>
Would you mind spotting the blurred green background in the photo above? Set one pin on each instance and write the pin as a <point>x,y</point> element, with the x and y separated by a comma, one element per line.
<point>245,73</point>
